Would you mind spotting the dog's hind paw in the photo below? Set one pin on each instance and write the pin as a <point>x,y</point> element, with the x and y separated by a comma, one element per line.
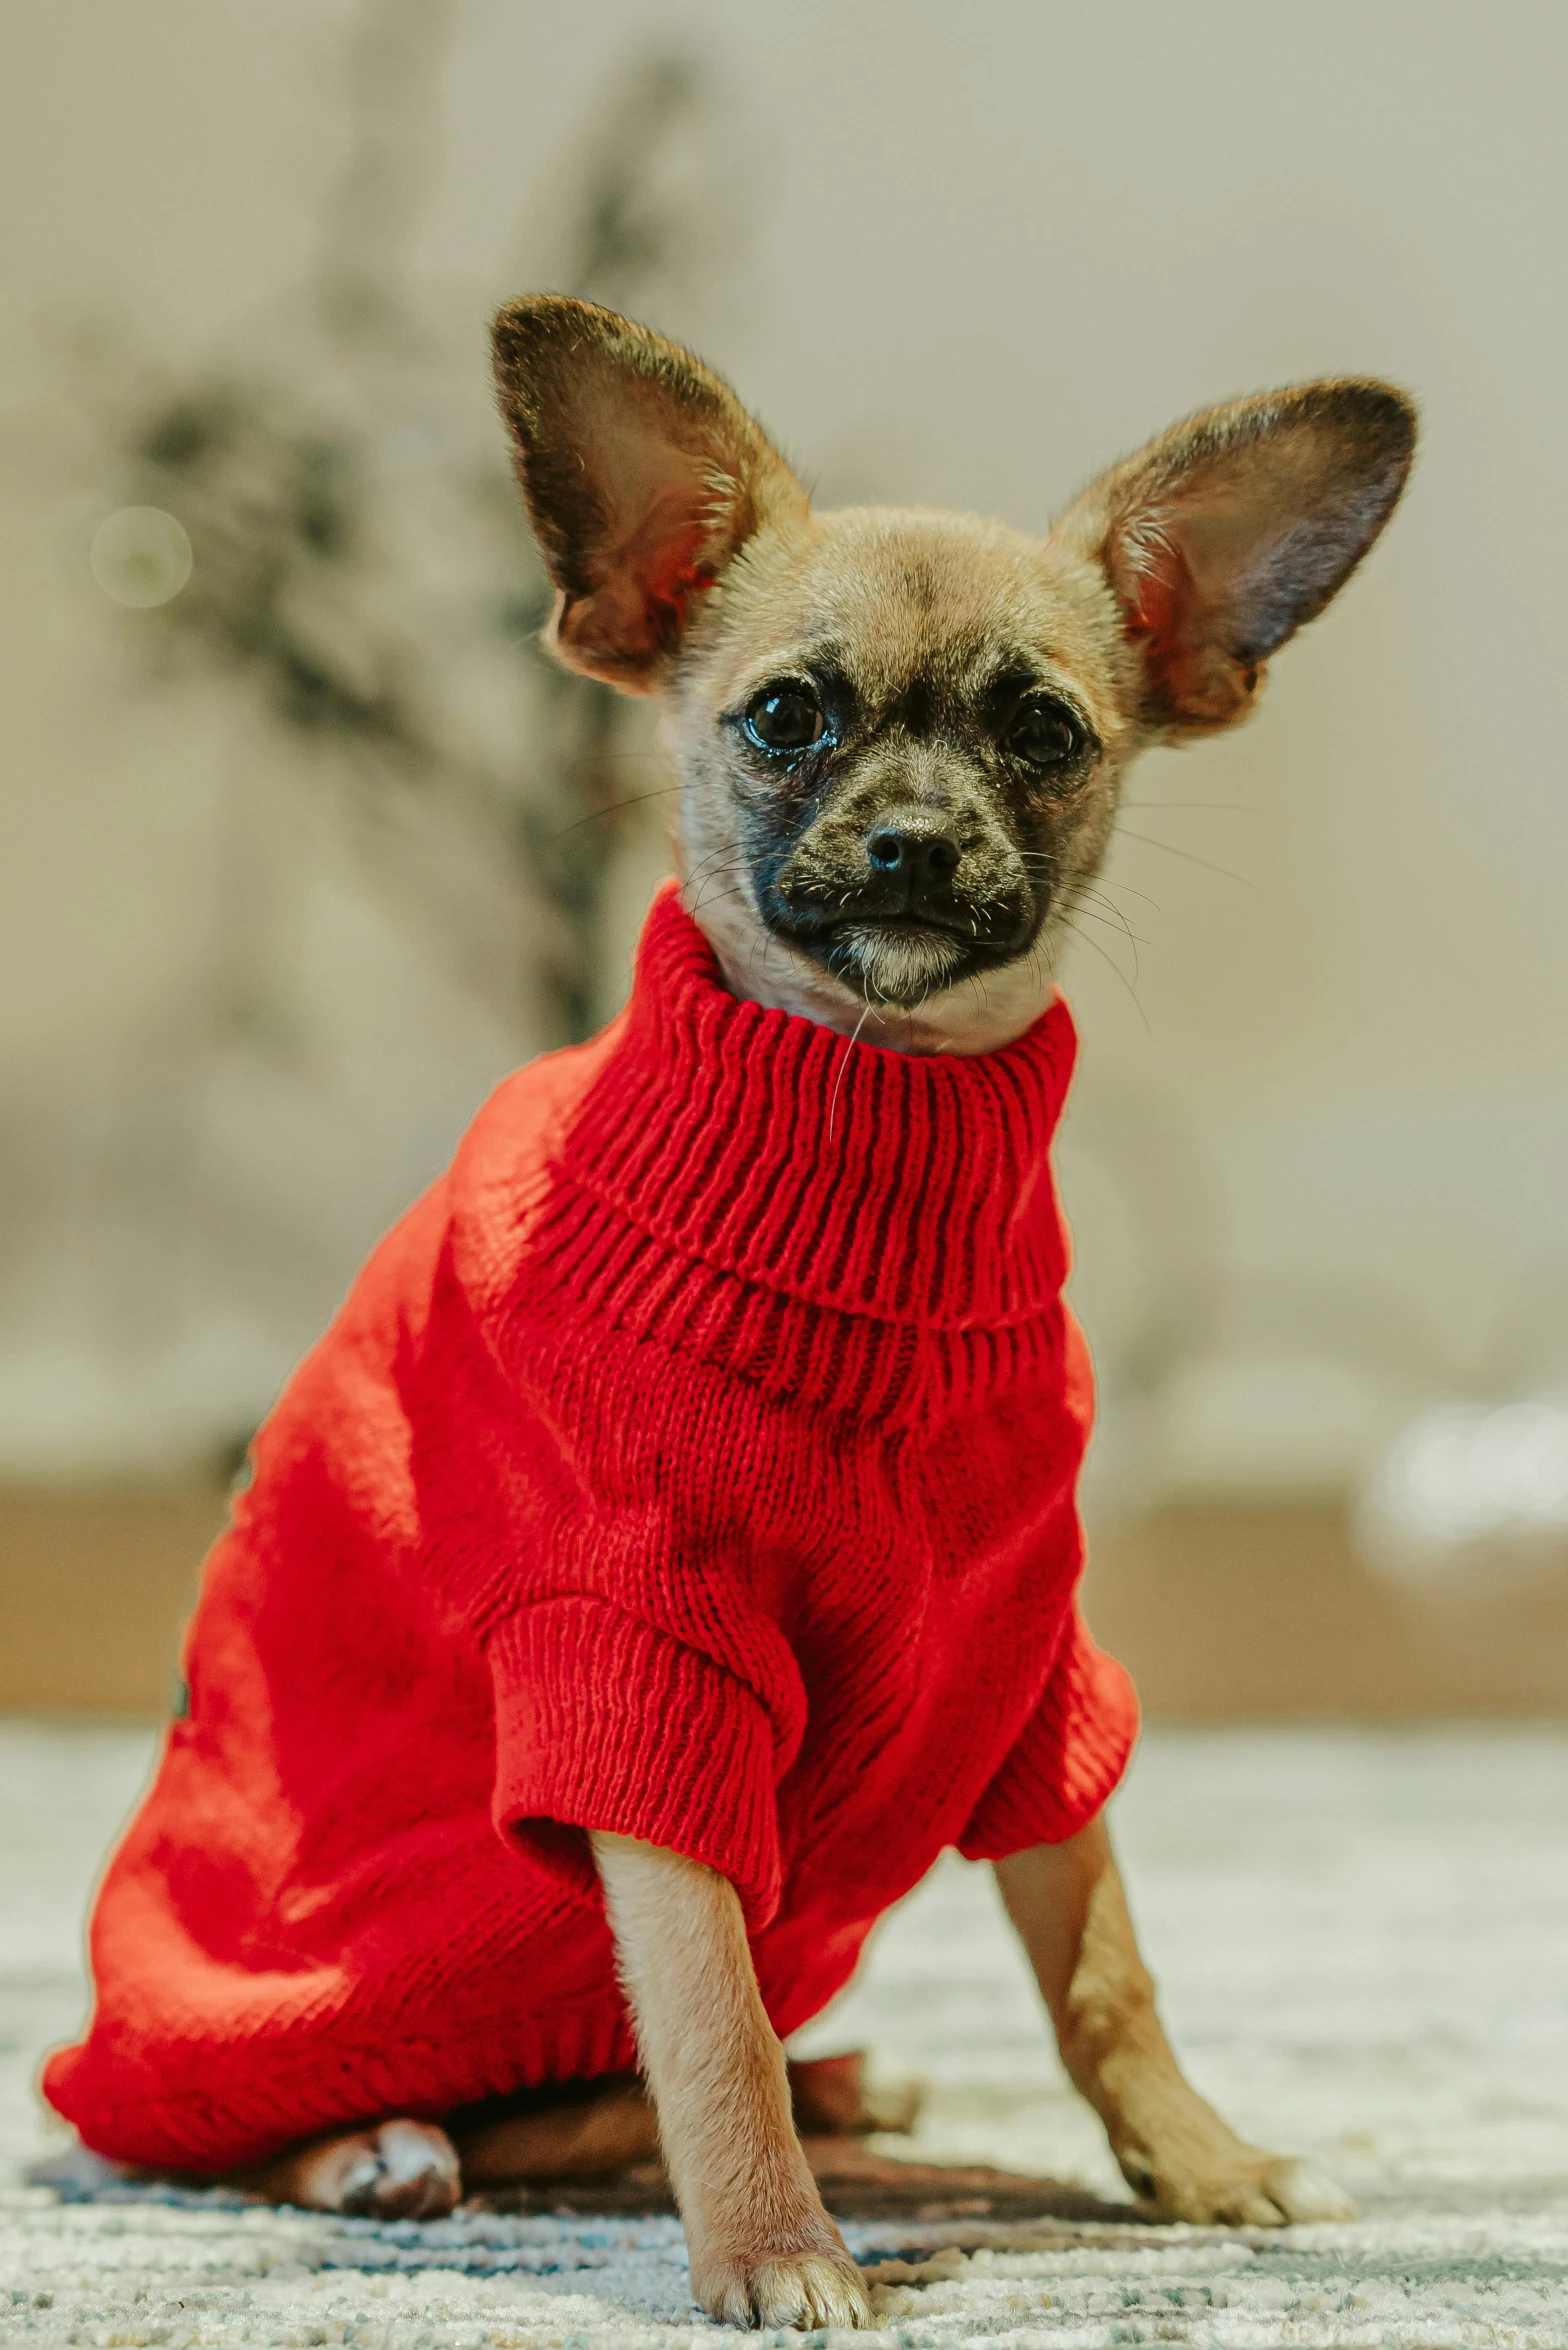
<point>408,2171</point>
<point>398,2170</point>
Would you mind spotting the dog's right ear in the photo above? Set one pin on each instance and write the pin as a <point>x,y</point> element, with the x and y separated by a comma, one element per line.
<point>642,473</point>
<point>1223,538</point>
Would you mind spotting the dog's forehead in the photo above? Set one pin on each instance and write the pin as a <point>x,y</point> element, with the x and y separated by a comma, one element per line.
<point>896,597</point>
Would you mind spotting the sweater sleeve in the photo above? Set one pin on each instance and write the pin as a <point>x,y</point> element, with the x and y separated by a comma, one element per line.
<point>1068,1758</point>
<point>605,1721</point>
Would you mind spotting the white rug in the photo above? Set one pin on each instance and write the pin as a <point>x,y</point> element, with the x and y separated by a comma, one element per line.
<point>1363,1946</point>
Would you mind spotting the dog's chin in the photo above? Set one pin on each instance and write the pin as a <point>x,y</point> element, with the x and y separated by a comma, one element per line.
<point>897,962</point>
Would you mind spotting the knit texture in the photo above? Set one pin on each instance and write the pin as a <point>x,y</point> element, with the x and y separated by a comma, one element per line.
<point>696,1461</point>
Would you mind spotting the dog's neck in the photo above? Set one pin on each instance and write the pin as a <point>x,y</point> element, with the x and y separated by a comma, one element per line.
<point>760,968</point>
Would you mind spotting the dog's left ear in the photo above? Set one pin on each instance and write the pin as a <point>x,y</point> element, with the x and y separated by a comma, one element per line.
<point>643,476</point>
<point>1224,537</point>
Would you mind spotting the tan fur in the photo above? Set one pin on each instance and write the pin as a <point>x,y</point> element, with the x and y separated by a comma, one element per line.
<point>1067,1903</point>
<point>688,565</point>
<point>590,2137</point>
<point>763,2250</point>
<point>594,2129</point>
<point>1149,612</point>
<point>898,590</point>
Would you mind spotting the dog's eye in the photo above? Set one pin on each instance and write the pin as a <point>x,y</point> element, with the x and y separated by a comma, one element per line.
<point>1043,733</point>
<point>785,718</point>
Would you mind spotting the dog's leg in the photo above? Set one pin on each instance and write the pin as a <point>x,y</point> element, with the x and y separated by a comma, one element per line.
<point>1071,1913</point>
<point>393,2170</point>
<point>589,2130</point>
<point>763,2250</point>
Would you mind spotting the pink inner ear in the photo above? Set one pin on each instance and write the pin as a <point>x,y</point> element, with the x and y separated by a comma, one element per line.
<point>1158,596</point>
<point>1152,607</point>
<point>672,572</point>
<point>642,603</point>
<point>671,556</point>
<point>1188,671</point>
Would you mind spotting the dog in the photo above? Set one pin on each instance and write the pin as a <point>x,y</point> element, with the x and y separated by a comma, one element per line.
<point>899,737</point>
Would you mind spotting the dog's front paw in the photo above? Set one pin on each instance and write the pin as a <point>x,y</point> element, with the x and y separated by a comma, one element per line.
<point>801,2289</point>
<point>1249,2189</point>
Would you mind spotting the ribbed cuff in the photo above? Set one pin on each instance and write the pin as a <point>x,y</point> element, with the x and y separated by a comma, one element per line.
<point>604,1722</point>
<point>1068,1760</point>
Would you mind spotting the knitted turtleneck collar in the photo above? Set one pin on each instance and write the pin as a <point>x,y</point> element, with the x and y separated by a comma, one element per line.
<point>863,1181</point>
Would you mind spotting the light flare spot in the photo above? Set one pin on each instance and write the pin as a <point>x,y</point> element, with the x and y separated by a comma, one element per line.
<point>141,556</point>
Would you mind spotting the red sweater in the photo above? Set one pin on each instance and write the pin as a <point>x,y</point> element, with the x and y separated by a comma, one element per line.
<point>695,1460</point>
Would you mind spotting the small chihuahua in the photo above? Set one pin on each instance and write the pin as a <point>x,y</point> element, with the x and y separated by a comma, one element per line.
<point>900,737</point>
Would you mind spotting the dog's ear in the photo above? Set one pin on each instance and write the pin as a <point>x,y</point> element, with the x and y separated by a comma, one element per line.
<point>1226,535</point>
<point>643,476</point>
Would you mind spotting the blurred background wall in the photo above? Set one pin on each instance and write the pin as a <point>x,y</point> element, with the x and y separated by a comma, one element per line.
<point>303,847</point>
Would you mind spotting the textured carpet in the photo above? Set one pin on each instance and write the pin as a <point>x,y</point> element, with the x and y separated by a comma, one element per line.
<point>1363,1946</point>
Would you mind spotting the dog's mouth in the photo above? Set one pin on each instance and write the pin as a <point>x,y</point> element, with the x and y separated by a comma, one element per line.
<point>902,956</point>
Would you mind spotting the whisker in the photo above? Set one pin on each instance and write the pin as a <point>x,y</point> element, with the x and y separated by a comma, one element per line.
<point>1187,857</point>
<point>711,857</point>
<point>1092,889</point>
<point>1111,923</point>
<point>608,758</point>
<point>614,807</point>
<point>843,1065</point>
<point>715,897</point>
<point>1120,923</point>
<point>705,865</point>
<point>1047,864</point>
<point>1107,886</point>
<point>1115,966</point>
<point>713,889</point>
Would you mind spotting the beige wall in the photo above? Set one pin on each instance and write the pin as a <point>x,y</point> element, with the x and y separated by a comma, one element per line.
<point>989,249</point>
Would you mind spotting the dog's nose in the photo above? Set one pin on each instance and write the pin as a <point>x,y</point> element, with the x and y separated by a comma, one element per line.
<point>915,857</point>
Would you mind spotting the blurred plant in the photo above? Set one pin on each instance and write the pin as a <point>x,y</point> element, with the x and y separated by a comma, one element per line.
<point>330,518</point>
<point>314,544</point>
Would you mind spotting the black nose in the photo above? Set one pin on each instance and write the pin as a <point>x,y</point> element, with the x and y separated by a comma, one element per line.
<point>914,857</point>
